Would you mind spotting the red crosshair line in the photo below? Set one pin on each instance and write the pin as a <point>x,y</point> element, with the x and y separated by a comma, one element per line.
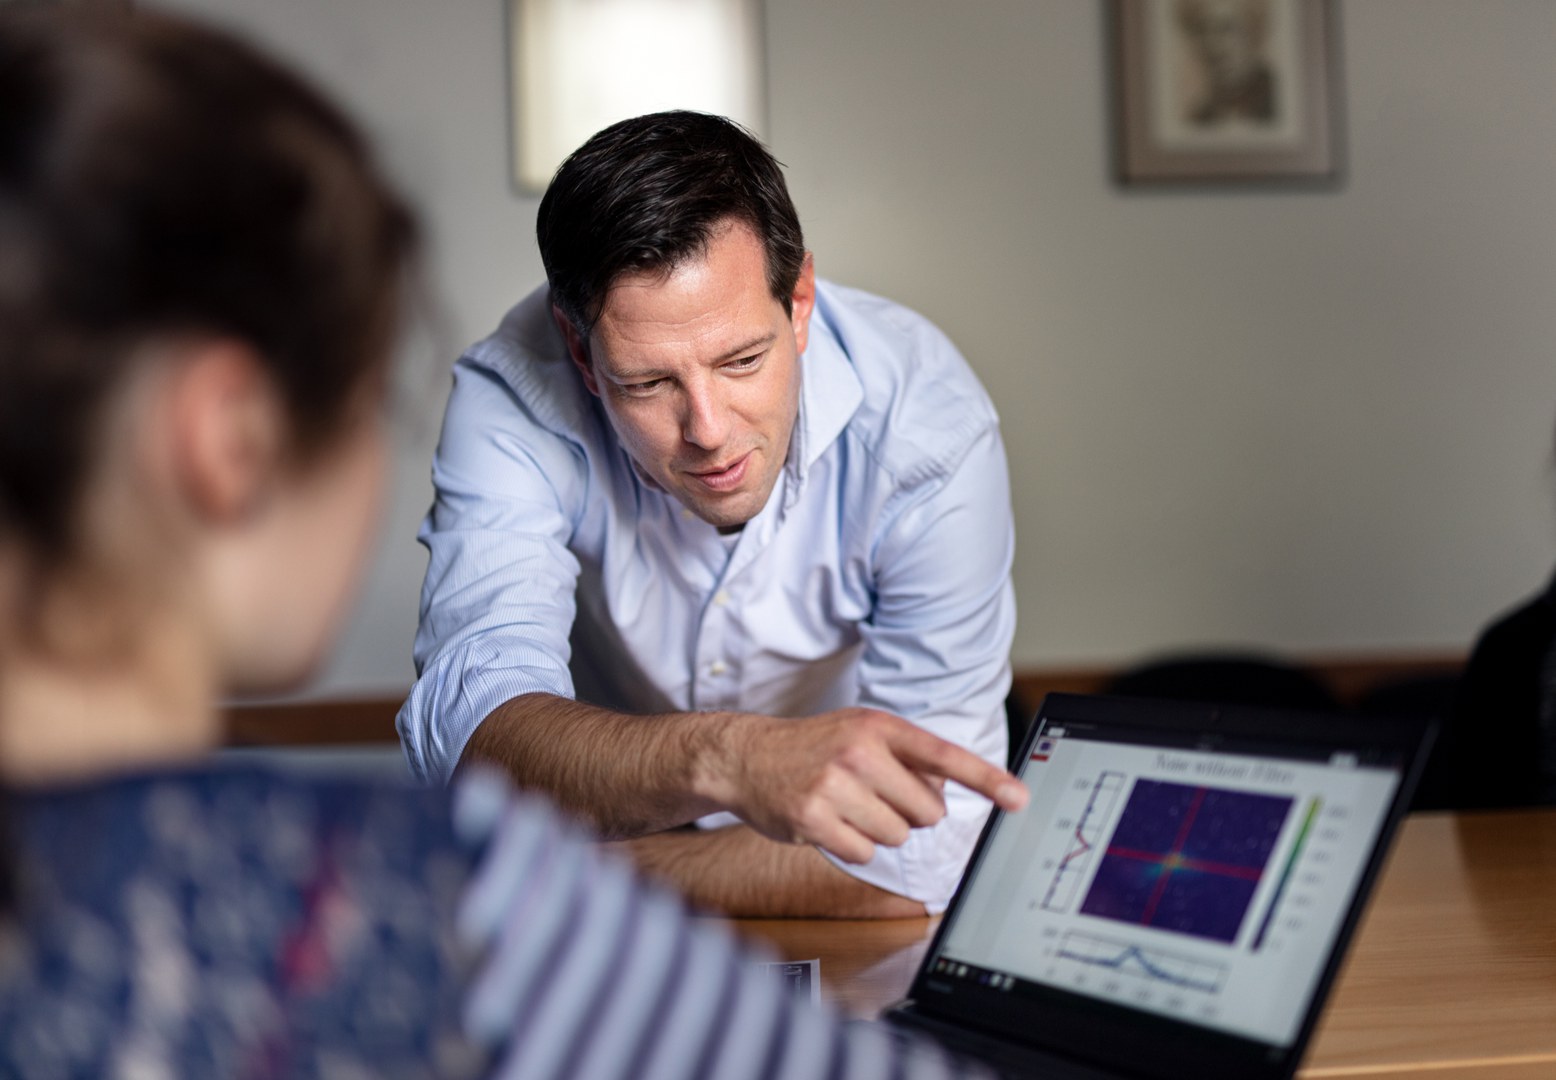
<point>1173,860</point>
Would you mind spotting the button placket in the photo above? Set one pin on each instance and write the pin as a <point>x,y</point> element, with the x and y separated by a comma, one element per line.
<point>716,676</point>
<point>715,680</point>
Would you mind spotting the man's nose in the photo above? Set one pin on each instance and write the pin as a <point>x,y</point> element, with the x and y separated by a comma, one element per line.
<point>707,420</point>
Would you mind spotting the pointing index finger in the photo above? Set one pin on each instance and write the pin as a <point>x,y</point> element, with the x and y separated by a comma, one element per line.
<point>927,753</point>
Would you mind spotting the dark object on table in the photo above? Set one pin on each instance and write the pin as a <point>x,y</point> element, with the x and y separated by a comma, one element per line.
<point>1498,748</point>
<point>1226,679</point>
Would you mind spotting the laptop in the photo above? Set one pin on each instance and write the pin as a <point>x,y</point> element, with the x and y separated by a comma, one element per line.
<point>1175,899</point>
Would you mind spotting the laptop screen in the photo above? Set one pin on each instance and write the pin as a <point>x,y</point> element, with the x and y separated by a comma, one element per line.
<point>1202,872</point>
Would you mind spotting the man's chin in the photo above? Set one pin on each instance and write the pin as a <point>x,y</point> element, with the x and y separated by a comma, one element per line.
<point>725,515</point>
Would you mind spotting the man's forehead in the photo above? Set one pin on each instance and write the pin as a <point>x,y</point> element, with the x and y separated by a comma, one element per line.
<point>712,305</point>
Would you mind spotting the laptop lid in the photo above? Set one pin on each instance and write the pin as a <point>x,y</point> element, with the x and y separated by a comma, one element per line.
<point>1176,898</point>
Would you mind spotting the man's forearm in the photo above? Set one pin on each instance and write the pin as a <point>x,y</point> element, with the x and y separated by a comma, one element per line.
<point>626,775</point>
<point>738,872</point>
<point>846,780</point>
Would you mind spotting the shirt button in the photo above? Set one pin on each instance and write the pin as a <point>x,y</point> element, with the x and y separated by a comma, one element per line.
<point>721,597</point>
<point>718,667</point>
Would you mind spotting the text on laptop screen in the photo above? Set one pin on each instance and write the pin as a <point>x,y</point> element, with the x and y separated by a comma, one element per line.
<point>1204,885</point>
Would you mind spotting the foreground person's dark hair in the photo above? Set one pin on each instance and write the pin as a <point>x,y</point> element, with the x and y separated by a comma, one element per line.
<point>159,179</point>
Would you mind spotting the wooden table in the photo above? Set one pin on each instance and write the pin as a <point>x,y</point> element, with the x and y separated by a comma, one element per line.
<point>1451,975</point>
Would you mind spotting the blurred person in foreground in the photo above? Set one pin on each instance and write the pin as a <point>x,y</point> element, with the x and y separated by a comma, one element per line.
<point>716,541</point>
<point>200,280</point>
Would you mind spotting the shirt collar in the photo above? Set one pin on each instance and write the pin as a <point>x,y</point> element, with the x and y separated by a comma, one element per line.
<point>830,394</point>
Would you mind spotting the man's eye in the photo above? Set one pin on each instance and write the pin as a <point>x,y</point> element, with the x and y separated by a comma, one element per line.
<point>745,363</point>
<point>640,388</point>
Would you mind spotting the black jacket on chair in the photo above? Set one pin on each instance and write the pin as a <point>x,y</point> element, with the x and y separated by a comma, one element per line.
<point>1499,747</point>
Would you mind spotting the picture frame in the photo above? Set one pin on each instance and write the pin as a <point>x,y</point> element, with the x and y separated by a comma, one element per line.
<point>1221,92</point>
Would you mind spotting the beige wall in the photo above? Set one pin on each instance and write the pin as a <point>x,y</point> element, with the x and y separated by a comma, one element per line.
<point>1308,421</point>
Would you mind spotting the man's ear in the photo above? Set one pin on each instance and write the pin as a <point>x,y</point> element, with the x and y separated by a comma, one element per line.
<point>226,430</point>
<point>802,302</point>
<point>577,349</point>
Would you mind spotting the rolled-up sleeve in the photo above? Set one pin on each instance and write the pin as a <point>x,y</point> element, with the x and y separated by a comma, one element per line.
<point>937,649</point>
<point>498,601</point>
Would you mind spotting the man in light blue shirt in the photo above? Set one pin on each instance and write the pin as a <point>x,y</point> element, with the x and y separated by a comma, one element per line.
<point>715,542</point>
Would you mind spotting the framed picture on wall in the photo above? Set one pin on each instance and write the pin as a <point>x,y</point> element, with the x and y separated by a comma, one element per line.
<point>1224,91</point>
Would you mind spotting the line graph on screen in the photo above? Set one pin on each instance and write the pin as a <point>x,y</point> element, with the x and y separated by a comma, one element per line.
<point>1085,839</point>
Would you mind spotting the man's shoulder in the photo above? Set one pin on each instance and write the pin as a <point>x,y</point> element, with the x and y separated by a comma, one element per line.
<point>527,358</point>
<point>872,309</point>
<point>922,406</point>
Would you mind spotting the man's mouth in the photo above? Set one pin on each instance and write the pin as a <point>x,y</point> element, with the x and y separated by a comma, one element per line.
<point>726,477</point>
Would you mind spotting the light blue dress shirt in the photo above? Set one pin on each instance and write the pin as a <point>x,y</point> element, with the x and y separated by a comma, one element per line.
<point>878,573</point>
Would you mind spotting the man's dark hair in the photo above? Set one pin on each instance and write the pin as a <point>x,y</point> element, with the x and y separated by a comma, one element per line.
<point>648,193</point>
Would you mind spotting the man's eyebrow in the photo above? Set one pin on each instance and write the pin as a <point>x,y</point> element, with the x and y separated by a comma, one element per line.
<point>759,343</point>
<point>756,344</point>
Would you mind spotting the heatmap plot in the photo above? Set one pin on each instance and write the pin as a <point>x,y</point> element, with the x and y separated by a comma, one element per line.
<point>1186,858</point>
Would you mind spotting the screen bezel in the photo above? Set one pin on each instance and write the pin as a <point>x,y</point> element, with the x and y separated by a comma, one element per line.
<point>1086,1028</point>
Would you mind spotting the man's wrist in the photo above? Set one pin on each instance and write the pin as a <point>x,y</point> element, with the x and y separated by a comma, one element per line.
<point>716,748</point>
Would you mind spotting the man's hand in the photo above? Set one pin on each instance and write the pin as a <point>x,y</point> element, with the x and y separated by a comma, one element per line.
<point>844,780</point>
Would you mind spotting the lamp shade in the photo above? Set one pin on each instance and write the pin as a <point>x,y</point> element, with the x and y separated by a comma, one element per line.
<point>576,66</point>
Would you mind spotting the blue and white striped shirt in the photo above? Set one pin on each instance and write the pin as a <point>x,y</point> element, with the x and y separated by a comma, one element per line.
<point>237,922</point>
<point>592,974</point>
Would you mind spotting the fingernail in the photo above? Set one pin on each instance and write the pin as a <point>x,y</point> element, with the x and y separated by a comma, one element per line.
<point>1013,795</point>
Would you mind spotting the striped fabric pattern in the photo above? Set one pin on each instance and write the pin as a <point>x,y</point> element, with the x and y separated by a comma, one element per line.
<point>591,973</point>
<point>249,923</point>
